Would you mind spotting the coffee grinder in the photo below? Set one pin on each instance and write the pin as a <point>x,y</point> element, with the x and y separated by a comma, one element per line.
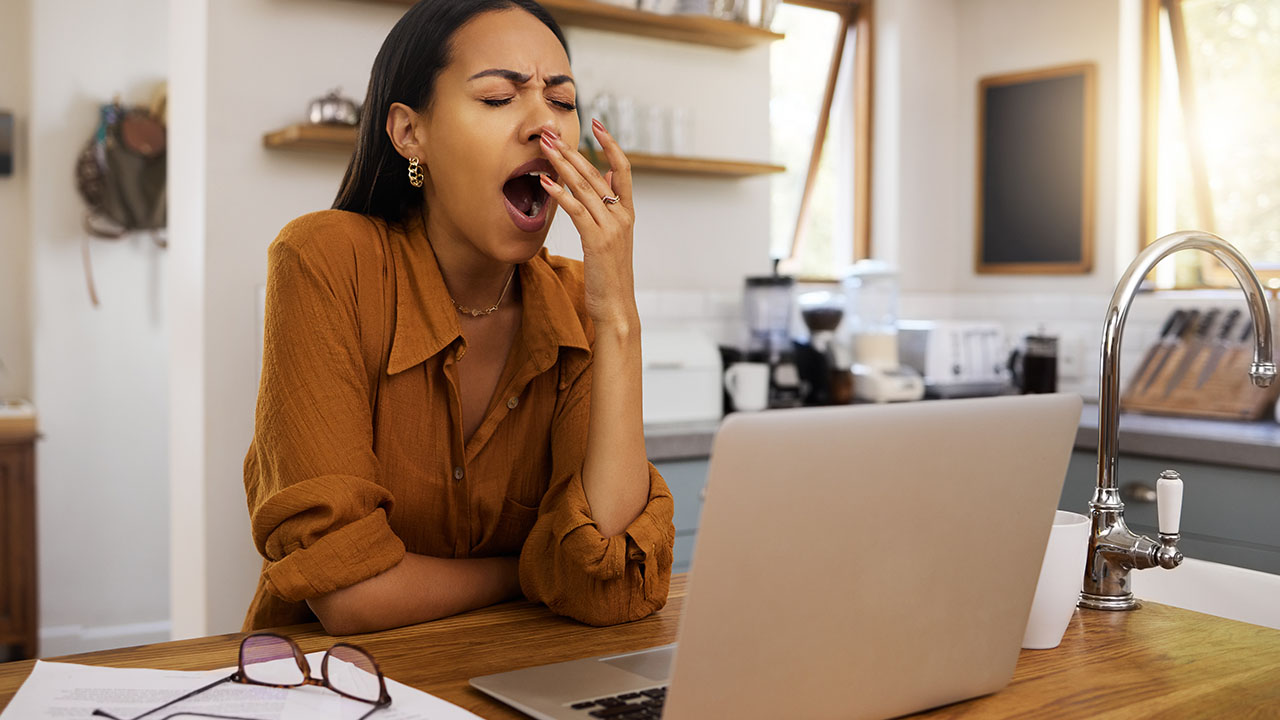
<point>870,328</point>
<point>824,362</point>
<point>767,307</point>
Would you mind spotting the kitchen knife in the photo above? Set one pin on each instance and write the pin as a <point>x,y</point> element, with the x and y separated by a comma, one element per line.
<point>1219,348</point>
<point>1168,341</point>
<point>1196,343</point>
<point>1155,347</point>
<point>1246,335</point>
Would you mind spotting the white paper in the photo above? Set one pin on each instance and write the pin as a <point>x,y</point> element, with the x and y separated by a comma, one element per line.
<point>63,691</point>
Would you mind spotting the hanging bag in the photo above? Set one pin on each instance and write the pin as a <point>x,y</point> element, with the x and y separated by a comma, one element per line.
<point>120,174</point>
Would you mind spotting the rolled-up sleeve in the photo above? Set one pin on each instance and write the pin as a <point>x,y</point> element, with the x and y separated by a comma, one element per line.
<point>567,563</point>
<point>317,512</point>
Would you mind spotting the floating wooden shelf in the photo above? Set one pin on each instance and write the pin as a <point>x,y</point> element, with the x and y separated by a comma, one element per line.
<point>641,162</point>
<point>307,136</point>
<point>341,139</point>
<point>699,29</point>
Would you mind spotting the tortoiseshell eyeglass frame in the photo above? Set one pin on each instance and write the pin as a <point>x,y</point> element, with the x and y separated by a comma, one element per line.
<point>239,676</point>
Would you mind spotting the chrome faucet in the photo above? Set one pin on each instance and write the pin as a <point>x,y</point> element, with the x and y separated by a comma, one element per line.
<point>1115,550</point>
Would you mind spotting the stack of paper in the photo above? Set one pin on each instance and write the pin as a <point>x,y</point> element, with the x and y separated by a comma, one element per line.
<point>61,690</point>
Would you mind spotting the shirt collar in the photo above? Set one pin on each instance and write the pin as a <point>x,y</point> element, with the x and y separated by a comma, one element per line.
<point>427,323</point>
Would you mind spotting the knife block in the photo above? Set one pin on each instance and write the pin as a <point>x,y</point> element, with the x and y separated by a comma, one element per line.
<point>1227,393</point>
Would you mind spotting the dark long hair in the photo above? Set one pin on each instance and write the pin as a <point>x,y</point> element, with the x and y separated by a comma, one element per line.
<point>405,71</point>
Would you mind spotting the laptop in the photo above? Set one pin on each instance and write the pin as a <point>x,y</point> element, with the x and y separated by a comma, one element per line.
<point>852,562</point>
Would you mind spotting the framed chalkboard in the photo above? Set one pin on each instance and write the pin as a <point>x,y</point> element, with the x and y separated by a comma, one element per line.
<point>1035,171</point>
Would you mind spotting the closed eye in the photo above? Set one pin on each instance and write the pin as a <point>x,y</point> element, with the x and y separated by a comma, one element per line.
<point>506,101</point>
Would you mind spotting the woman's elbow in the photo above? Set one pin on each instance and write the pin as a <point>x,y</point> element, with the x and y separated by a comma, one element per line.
<point>339,615</point>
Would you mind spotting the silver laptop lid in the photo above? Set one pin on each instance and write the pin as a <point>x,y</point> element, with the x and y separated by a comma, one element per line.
<point>871,561</point>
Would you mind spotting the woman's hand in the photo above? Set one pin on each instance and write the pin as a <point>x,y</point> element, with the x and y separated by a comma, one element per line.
<point>605,228</point>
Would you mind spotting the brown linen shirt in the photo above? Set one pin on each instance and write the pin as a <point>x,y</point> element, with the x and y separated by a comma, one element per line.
<point>357,454</point>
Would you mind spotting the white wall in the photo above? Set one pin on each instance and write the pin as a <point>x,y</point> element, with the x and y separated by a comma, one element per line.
<point>930,56</point>
<point>100,375</point>
<point>15,308</point>
<point>262,63</point>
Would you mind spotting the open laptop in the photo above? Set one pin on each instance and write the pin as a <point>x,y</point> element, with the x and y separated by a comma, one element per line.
<point>853,562</point>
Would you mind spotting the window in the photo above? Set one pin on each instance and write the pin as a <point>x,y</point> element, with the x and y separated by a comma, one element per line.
<point>820,117</point>
<point>1212,153</point>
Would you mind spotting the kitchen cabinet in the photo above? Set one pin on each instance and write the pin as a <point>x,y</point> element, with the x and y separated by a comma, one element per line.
<point>18,544</point>
<point>686,478</point>
<point>1228,513</point>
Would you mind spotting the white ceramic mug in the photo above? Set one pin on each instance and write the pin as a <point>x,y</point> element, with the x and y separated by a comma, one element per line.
<point>1061,575</point>
<point>748,385</point>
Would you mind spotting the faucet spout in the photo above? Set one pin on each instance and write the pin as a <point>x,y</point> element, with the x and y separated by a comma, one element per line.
<point>1111,545</point>
<point>1263,370</point>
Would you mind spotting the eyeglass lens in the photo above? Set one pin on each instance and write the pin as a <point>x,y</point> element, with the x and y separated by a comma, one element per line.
<point>270,660</point>
<point>353,673</point>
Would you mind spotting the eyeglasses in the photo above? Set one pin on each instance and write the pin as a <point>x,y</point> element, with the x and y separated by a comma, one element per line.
<point>276,661</point>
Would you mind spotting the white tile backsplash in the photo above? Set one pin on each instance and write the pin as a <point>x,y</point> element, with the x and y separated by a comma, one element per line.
<point>1074,318</point>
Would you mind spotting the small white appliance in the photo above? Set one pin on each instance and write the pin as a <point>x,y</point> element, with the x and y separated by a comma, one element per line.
<point>682,376</point>
<point>870,328</point>
<point>957,358</point>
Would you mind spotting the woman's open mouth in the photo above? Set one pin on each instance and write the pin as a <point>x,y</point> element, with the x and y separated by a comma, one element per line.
<point>525,198</point>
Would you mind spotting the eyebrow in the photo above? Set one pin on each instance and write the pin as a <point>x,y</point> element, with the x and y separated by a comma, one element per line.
<point>520,79</point>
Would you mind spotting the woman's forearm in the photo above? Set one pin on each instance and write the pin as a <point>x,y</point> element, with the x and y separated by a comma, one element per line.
<point>615,473</point>
<point>418,589</point>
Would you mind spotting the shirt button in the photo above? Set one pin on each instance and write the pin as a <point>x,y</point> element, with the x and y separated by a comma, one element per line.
<point>457,473</point>
<point>513,402</point>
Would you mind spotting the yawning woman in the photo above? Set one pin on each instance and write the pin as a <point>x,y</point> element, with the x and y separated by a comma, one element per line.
<point>449,417</point>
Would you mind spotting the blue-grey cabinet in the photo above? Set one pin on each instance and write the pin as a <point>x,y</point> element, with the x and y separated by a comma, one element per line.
<point>686,478</point>
<point>1229,515</point>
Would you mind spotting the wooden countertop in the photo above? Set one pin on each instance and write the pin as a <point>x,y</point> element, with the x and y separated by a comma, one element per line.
<point>1159,661</point>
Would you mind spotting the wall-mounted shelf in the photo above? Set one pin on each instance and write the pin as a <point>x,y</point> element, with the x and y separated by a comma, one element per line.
<point>341,139</point>
<point>307,136</point>
<point>699,29</point>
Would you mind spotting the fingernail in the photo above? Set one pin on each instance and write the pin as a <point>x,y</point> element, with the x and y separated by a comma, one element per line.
<point>548,142</point>
<point>552,133</point>
<point>598,125</point>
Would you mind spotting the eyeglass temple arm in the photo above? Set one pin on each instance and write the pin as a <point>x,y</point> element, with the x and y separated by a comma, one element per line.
<point>175,701</point>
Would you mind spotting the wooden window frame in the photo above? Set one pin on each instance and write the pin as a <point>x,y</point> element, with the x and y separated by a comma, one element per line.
<point>856,16</point>
<point>1217,276</point>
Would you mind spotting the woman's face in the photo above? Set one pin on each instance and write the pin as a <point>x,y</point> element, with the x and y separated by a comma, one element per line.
<point>509,80</point>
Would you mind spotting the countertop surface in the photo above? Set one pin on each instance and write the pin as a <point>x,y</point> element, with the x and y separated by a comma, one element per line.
<point>1156,662</point>
<point>1254,445</point>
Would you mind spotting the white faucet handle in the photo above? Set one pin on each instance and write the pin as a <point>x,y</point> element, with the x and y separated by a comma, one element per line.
<point>1169,501</point>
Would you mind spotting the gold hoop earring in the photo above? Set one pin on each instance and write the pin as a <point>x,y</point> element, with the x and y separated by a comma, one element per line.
<point>415,173</point>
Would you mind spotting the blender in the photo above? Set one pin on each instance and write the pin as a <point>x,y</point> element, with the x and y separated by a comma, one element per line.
<point>767,304</point>
<point>870,329</point>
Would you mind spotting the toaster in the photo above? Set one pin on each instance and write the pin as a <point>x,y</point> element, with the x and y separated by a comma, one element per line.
<point>957,358</point>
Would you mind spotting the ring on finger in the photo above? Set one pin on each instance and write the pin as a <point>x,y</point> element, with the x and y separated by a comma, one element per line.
<point>610,199</point>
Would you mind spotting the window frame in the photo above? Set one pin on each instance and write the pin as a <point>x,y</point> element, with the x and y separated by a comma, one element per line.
<point>1214,276</point>
<point>856,17</point>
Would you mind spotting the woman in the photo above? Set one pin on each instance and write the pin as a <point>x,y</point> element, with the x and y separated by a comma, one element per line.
<point>449,416</point>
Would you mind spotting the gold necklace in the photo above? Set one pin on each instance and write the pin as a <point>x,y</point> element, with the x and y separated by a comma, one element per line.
<point>475,312</point>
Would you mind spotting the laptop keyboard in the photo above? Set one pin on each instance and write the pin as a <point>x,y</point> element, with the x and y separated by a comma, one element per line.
<point>642,705</point>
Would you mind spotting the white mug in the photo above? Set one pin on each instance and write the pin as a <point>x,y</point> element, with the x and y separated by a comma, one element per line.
<point>1061,575</point>
<point>748,385</point>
